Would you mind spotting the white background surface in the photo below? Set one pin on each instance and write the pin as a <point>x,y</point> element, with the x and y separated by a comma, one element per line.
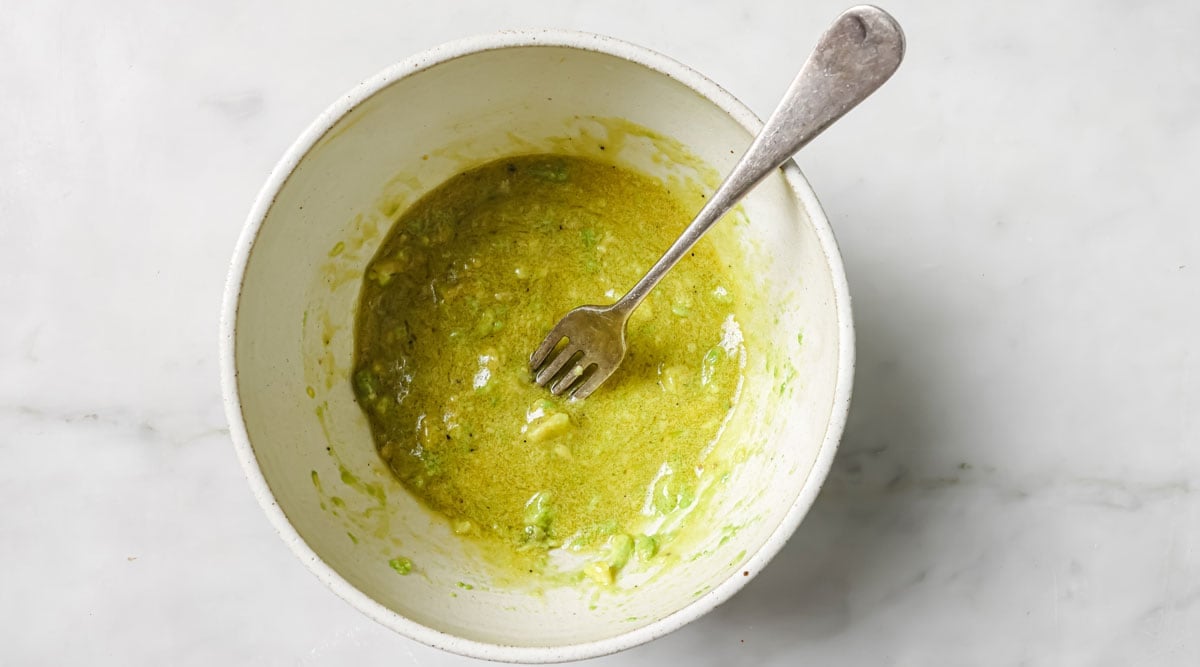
<point>1020,479</point>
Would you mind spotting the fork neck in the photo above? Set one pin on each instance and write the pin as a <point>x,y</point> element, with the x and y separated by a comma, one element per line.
<point>722,200</point>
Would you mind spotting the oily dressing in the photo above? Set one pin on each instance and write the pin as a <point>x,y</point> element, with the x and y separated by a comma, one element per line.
<point>467,283</point>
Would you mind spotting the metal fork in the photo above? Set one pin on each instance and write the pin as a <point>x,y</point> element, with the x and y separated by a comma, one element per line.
<point>859,52</point>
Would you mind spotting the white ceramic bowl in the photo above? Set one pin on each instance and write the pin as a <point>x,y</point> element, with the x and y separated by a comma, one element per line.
<point>287,334</point>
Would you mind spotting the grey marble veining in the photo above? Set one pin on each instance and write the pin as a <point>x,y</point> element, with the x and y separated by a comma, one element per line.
<point>1020,479</point>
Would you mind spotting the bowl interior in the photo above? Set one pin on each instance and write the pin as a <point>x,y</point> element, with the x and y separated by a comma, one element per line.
<point>293,341</point>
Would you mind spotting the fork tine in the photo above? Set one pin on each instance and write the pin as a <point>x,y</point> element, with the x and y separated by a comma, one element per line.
<point>570,377</point>
<point>556,364</point>
<point>591,382</point>
<point>539,355</point>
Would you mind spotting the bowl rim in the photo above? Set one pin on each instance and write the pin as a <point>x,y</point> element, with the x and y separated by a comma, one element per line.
<point>228,325</point>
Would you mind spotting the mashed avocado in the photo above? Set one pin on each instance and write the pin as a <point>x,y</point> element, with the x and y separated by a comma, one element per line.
<point>468,281</point>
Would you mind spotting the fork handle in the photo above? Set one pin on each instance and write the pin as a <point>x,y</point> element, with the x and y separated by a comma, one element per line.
<point>859,52</point>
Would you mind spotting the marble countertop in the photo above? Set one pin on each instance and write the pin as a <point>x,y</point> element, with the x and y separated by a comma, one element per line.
<point>1020,479</point>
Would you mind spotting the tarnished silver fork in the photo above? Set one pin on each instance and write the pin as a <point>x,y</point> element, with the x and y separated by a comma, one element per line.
<point>855,56</point>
